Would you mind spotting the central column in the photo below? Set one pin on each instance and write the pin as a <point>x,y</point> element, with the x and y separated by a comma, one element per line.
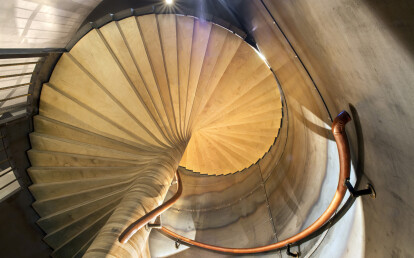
<point>147,191</point>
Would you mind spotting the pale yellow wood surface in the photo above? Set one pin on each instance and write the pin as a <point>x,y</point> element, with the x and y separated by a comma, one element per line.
<point>226,55</point>
<point>185,30</point>
<point>129,103</point>
<point>201,36</point>
<point>168,35</point>
<point>150,32</point>
<point>216,41</point>
<point>110,75</point>
<point>132,34</point>
<point>117,43</point>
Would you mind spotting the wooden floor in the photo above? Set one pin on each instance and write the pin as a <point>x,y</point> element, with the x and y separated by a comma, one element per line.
<point>128,104</point>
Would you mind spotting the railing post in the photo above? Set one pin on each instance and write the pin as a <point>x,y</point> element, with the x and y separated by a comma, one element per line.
<point>289,253</point>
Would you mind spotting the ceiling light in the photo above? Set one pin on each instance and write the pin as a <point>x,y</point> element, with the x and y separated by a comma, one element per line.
<point>169,1</point>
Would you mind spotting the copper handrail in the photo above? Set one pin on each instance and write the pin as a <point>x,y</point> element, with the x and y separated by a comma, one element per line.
<point>338,130</point>
<point>137,225</point>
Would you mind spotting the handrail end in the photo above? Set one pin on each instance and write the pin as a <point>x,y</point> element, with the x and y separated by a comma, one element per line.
<point>338,125</point>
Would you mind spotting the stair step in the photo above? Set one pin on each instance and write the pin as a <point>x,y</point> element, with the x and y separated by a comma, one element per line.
<point>53,127</point>
<point>58,219</point>
<point>108,73</point>
<point>226,54</point>
<point>44,175</point>
<point>168,36</point>
<point>71,247</point>
<point>122,107</point>
<point>69,231</point>
<point>44,191</point>
<point>150,32</point>
<point>201,37</point>
<point>40,158</point>
<point>60,107</point>
<point>133,38</point>
<point>215,44</point>
<point>185,29</point>
<point>54,204</point>
<point>55,144</point>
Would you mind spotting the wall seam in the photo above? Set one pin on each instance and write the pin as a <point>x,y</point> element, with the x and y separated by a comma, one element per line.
<point>268,208</point>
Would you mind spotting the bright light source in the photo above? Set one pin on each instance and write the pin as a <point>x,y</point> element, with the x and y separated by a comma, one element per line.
<point>261,55</point>
<point>169,1</point>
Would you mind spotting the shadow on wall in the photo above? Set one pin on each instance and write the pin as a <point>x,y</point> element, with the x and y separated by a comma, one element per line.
<point>359,158</point>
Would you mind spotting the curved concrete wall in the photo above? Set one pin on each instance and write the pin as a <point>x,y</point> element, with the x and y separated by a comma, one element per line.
<point>360,55</point>
<point>285,191</point>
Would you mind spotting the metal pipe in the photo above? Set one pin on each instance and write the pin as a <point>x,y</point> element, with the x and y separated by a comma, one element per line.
<point>9,53</point>
<point>15,97</point>
<point>16,86</point>
<point>137,225</point>
<point>3,161</point>
<point>14,75</point>
<point>338,130</point>
<point>17,64</point>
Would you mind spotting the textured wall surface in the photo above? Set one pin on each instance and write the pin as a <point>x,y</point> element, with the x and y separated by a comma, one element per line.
<point>286,190</point>
<point>360,55</point>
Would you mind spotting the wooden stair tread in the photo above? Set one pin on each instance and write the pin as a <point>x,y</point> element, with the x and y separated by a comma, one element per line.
<point>128,104</point>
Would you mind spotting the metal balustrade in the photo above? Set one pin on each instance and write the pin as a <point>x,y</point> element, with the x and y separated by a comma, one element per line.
<point>19,72</point>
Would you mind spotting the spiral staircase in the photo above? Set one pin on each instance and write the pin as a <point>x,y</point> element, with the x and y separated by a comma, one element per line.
<point>125,107</point>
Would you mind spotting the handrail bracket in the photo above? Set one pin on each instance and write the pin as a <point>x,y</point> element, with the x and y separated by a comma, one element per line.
<point>357,193</point>
<point>156,224</point>
<point>289,253</point>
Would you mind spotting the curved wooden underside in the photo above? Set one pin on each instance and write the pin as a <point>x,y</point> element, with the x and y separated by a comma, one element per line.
<point>125,107</point>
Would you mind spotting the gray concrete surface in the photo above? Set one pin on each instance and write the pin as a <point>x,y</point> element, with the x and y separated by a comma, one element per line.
<point>360,53</point>
<point>290,187</point>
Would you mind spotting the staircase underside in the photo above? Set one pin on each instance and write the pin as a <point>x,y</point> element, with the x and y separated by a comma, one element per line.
<point>129,103</point>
